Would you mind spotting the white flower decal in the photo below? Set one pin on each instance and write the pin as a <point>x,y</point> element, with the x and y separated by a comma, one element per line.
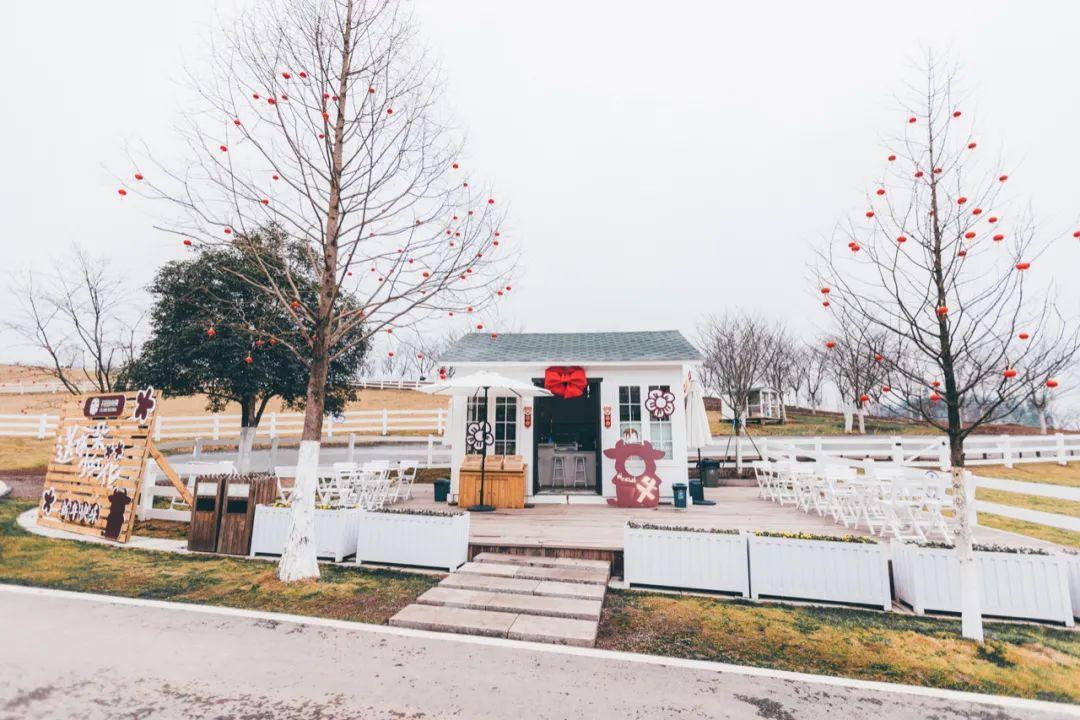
<point>478,435</point>
<point>660,404</point>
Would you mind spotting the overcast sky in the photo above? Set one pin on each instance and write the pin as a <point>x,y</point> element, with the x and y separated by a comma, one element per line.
<point>658,161</point>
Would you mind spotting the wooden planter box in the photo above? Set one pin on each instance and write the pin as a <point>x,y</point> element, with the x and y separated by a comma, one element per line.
<point>686,559</point>
<point>1014,585</point>
<point>833,571</point>
<point>397,538</point>
<point>335,531</point>
<point>502,488</point>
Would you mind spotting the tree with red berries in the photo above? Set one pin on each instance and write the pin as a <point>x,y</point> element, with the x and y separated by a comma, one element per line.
<point>321,118</point>
<point>935,275</point>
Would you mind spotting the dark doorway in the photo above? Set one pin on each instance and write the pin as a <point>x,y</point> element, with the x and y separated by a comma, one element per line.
<point>566,442</point>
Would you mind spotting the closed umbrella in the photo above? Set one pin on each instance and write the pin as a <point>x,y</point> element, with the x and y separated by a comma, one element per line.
<point>470,385</point>
<point>698,434</point>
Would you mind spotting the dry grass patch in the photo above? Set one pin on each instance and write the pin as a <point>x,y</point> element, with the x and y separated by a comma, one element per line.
<point>1031,502</point>
<point>1050,473</point>
<point>1068,538</point>
<point>21,454</point>
<point>362,595</point>
<point>1021,660</point>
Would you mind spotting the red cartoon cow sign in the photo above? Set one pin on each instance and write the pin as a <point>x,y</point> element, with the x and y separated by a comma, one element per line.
<point>635,489</point>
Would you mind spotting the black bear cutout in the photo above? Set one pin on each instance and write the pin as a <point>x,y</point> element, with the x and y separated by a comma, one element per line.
<point>114,522</point>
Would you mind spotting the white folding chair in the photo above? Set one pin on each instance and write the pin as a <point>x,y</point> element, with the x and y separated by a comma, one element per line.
<point>406,476</point>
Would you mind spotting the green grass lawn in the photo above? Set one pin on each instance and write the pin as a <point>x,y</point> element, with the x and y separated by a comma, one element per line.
<point>1021,660</point>
<point>363,595</point>
<point>1049,473</point>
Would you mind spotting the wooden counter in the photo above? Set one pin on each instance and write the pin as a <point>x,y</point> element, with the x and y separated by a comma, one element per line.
<point>502,488</point>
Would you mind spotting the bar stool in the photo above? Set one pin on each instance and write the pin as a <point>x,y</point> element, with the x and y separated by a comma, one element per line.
<point>558,471</point>
<point>580,473</point>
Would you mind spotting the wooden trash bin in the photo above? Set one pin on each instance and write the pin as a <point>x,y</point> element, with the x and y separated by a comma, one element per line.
<point>240,496</point>
<point>205,513</point>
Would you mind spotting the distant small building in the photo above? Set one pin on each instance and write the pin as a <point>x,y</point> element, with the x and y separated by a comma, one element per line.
<point>763,405</point>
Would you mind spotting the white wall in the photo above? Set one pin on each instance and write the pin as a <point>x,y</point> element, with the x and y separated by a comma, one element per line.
<point>612,377</point>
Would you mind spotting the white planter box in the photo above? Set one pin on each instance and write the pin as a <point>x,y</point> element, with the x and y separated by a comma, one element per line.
<point>405,539</point>
<point>1014,585</point>
<point>1072,562</point>
<point>335,531</point>
<point>820,570</point>
<point>682,559</point>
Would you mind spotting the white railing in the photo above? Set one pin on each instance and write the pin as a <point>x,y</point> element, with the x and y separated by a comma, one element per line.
<point>913,450</point>
<point>44,388</point>
<point>390,384</point>
<point>1056,492</point>
<point>291,425</point>
<point>34,426</point>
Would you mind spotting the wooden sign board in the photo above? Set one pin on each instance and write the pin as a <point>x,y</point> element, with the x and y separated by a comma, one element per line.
<point>95,474</point>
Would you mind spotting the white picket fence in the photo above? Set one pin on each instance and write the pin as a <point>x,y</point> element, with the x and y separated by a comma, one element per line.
<point>44,388</point>
<point>912,450</point>
<point>32,426</point>
<point>287,425</point>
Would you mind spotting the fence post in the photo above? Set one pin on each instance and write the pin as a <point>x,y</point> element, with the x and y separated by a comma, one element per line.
<point>944,461</point>
<point>273,425</point>
<point>197,452</point>
<point>329,427</point>
<point>897,449</point>
<point>1006,451</point>
<point>1059,442</point>
<point>430,448</point>
<point>352,447</point>
<point>146,500</point>
<point>159,419</point>
<point>217,428</point>
<point>41,426</point>
<point>273,453</point>
<point>439,421</point>
<point>385,421</point>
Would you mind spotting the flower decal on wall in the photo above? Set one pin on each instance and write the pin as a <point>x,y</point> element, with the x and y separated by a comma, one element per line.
<point>478,435</point>
<point>660,404</point>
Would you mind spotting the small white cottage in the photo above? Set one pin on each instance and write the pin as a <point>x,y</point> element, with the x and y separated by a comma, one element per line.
<point>606,388</point>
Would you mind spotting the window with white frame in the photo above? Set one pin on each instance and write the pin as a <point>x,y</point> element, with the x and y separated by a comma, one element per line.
<point>660,427</point>
<point>505,426</point>
<point>630,413</point>
<point>475,411</point>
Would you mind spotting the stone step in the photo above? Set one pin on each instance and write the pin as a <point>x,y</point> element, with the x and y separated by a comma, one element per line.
<point>563,631</point>
<point>510,602</point>
<point>455,620</point>
<point>534,572</point>
<point>540,561</point>
<point>560,631</point>
<point>523,586</point>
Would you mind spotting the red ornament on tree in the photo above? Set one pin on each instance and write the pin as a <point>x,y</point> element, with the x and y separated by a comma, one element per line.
<point>1023,336</point>
<point>389,111</point>
<point>227,231</point>
<point>187,242</point>
<point>211,332</point>
<point>886,388</point>
<point>881,191</point>
<point>138,176</point>
<point>1003,178</point>
<point>971,146</point>
<point>455,166</point>
<point>830,344</point>
<point>286,75</point>
<point>864,398</point>
<point>878,357</point>
<point>992,219</point>
<point>956,113</point>
<point>919,173</point>
<point>1051,383</point>
<point>961,200</point>
<point>121,192</point>
<point>892,158</point>
<point>825,303</point>
<point>826,291</point>
<point>1023,265</point>
<point>869,213</point>
<point>901,239</point>
<point>934,397</point>
<point>977,211</point>
<point>271,101</point>
<point>999,238</point>
<point>912,120</point>
<point>942,311</point>
<point>236,122</point>
<point>1009,373</point>
<point>248,360</point>
<point>969,235</point>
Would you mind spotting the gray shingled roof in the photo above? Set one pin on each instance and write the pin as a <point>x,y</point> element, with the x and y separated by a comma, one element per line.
<point>658,346</point>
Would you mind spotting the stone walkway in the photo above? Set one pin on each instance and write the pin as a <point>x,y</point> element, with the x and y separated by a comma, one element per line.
<point>520,597</point>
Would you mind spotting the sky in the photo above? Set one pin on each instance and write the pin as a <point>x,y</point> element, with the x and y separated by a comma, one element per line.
<point>657,161</point>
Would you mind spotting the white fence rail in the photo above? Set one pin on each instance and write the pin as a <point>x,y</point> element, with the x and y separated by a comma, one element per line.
<point>44,388</point>
<point>1056,492</point>
<point>32,426</point>
<point>285,425</point>
<point>390,384</point>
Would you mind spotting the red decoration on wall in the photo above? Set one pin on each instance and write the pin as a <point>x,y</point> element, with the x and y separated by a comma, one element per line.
<point>635,491</point>
<point>527,416</point>
<point>566,382</point>
<point>607,416</point>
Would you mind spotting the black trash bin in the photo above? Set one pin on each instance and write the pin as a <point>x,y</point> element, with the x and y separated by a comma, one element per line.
<point>709,472</point>
<point>679,491</point>
<point>442,489</point>
<point>697,492</point>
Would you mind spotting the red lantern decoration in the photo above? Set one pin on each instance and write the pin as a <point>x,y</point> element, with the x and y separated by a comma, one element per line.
<point>919,173</point>
<point>295,304</point>
<point>892,158</point>
<point>491,201</point>
<point>1076,234</point>
<point>830,344</point>
<point>187,241</point>
<point>1051,383</point>
<point>912,120</point>
<point>961,200</point>
<point>1023,265</point>
<point>326,116</point>
<point>121,192</point>
<point>1023,336</point>
<point>227,231</point>
<point>248,360</point>
<point>255,95</point>
<point>855,247</point>
<point>271,101</point>
<point>826,291</point>
<point>999,237</point>
<point>371,91</point>
<point>223,148</point>
<point>303,74</point>
<point>566,382</point>
<point>971,146</point>
<point>286,75</point>
<point>901,239</point>
<point>886,388</point>
<point>265,201</point>
<point>1003,178</point>
<point>864,398</point>
<point>881,191</point>
<point>390,354</point>
<point>389,111</point>
<point>878,357</point>
<point>969,234</point>
<point>934,397</point>
<point>479,326</point>
<point>869,213</point>
<point>992,219</point>
<point>455,166</point>
<point>275,177</point>
<point>956,113</point>
<point>1009,373</point>
<point>935,384</point>
<point>138,176</point>
<point>942,311</point>
<point>825,304</point>
<point>962,253</point>
<point>211,332</point>
<point>273,341</point>
<point>977,211</point>
<point>236,122</point>
<point>937,171</point>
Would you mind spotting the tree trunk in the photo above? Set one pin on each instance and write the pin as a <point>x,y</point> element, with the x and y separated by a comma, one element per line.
<point>248,428</point>
<point>970,580</point>
<point>862,421</point>
<point>1042,420</point>
<point>847,420</point>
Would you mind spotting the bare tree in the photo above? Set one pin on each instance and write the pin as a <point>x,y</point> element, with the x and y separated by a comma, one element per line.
<point>781,369</point>
<point>815,368</point>
<point>81,317</point>
<point>857,368</point>
<point>939,262</point>
<point>736,347</point>
<point>320,116</point>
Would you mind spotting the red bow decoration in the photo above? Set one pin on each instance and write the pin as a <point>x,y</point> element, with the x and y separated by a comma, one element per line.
<point>566,382</point>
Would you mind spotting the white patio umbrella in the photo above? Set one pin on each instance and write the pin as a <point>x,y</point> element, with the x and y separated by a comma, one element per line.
<point>698,434</point>
<point>469,385</point>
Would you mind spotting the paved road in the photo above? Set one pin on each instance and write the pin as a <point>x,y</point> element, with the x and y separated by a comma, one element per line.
<point>64,656</point>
